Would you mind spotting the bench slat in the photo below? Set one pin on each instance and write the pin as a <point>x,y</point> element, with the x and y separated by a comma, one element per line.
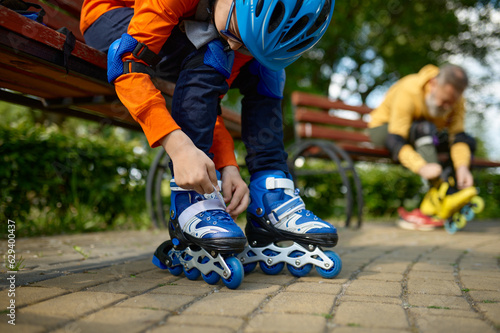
<point>56,18</point>
<point>305,115</point>
<point>310,100</point>
<point>321,132</point>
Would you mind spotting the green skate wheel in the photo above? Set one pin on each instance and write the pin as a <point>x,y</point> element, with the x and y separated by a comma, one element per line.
<point>460,220</point>
<point>237,273</point>
<point>477,204</point>
<point>335,270</point>
<point>298,271</point>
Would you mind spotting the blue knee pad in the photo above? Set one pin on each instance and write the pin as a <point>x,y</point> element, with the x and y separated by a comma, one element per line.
<point>216,57</point>
<point>271,83</point>
<point>117,49</point>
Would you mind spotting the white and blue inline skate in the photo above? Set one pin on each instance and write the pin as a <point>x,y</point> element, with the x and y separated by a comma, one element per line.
<point>277,215</point>
<point>204,238</point>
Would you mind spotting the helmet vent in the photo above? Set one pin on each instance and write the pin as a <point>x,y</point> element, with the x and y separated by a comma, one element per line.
<point>258,8</point>
<point>298,5</point>
<point>296,29</point>
<point>276,17</point>
<point>322,17</point>
<point>304,44</point>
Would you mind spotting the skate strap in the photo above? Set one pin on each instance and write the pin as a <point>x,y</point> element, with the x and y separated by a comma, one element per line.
<point>289,207</point>
<point>274,183</point>
<point>174,187</point>
<point>197,208</point>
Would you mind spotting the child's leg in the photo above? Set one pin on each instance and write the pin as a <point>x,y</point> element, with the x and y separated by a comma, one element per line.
<point>108,27</point>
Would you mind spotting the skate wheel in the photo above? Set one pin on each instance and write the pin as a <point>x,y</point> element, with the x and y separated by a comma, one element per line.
<point>176,270</point>
<point>273,269</point>
<point>248,268</point>
<point>477,204</point>
<point>237,273</point>
<point>192,274</point>
<point>335,270</point>
<point>450,226</point>
<point>211,277</point>
<point>467,212</point>
<point>459,220</point>
<point>298,271</point>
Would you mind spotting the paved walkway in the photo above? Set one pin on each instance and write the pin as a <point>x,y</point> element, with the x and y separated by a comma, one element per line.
<point>392,281</point>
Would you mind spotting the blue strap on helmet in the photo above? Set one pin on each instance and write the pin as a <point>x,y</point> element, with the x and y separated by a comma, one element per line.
<point>216,57</point>
<point>271,83</point>
<point>119,47</point>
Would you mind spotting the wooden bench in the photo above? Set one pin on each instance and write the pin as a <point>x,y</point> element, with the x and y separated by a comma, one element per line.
<point>335,130</point>
<point>36,71</point>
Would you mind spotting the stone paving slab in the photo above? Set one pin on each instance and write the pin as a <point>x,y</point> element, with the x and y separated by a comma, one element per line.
<point>392,280</point>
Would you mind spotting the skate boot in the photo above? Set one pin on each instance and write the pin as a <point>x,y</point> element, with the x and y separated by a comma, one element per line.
<point>204,239</point>
<point>280,230</point>
<point>455,206</point>
<point>416,220</point>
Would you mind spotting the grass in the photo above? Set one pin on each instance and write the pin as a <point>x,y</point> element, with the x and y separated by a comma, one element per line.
<point>80,250</point>
<point>438,307</point>
<point>466,290</point>
<point>488,301</point>
<point>17,265</point>
<point>353,325</point>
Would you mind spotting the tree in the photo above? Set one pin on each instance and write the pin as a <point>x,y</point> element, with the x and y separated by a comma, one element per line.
<point>373,43</point>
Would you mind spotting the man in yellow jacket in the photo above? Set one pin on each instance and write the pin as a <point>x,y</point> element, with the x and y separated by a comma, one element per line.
<point>423,114</point>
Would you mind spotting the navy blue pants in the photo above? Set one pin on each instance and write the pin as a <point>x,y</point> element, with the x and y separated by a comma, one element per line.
<point>196,101</point>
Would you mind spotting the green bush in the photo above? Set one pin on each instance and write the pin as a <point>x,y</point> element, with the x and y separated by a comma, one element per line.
<point>54,181</point>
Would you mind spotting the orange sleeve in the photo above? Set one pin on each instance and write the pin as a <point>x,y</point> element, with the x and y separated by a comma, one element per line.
<point>151,24</point>
<point>223,146</point>
<point>146,105</point>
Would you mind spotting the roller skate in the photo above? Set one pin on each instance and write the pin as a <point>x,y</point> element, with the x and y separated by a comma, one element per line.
<point>456,207</point>
<point>204,239</point>
<point>280,230</point>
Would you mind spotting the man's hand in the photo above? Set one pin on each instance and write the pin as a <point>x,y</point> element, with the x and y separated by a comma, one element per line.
<point>464,177</point>
<point>235,191</point>
<point>430,171</point>
<point>193,169</point>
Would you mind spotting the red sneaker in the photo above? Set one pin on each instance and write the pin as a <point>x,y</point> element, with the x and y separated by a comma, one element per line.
<point>416,220</point>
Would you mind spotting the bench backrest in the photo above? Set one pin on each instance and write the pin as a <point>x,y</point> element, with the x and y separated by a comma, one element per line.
<point>317,117</point>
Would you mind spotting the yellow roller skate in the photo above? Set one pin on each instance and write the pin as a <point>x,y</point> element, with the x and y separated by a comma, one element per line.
<point>456,207</point>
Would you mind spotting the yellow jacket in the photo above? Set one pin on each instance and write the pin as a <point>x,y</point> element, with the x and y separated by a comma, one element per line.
<point>405,103</point>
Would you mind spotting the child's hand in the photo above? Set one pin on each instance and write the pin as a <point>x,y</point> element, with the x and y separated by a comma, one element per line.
<point>235,191</point>
<point>193,169</point>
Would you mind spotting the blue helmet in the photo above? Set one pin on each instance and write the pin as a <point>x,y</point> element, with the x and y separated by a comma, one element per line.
<point>277,32</point>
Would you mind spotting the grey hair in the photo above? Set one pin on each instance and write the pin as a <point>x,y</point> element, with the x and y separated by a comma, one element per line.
<point>454,75</point>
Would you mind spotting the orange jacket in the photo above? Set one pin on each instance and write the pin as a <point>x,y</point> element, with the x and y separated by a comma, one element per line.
<point>152,24</point>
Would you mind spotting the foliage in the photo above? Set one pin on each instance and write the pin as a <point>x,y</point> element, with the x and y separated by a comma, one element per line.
<point>385,189</point>
<point>55,180</point>
<point>376,42</point>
